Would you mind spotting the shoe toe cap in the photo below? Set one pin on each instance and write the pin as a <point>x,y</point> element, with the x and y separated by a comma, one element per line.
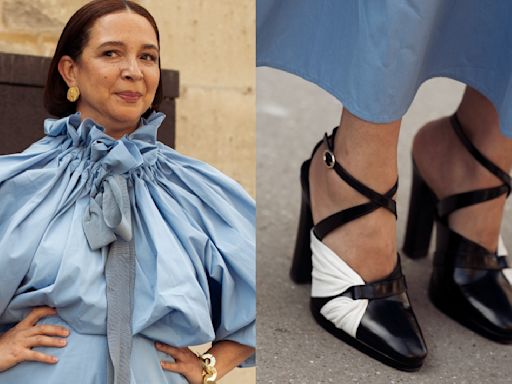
<point>390,328</point>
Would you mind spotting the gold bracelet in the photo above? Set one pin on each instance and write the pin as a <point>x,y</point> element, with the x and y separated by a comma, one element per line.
<point>209,371</point>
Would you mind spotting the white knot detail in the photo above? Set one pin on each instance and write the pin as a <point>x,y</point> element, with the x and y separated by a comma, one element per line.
<point>502,251</point>
<point>332,276</point>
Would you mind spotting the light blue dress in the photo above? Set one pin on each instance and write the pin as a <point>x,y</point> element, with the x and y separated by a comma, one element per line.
<point>374,54</point>
<point>194,236</point>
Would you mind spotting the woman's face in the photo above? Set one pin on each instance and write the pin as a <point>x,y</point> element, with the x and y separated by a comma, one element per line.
<point>117,73</point>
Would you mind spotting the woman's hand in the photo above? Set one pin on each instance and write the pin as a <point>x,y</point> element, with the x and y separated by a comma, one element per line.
<point>228,355</point>
<point>186,363</point>
<point>16,344</point>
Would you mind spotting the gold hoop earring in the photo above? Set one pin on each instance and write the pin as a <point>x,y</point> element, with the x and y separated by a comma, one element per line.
<point>73,93</point>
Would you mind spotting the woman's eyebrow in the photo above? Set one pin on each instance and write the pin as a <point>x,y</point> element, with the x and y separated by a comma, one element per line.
<point>150,46</point>
<point>121,44</point>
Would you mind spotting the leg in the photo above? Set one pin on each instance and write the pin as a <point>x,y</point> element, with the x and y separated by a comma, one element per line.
<point>448,167</point>
<point>365,315</point>
<point>369,152</point>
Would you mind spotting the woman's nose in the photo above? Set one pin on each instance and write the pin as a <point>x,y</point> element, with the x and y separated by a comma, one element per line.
<point>131,70</point>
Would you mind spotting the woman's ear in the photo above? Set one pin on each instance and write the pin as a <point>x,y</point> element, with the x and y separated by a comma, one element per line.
<point>67,69</point>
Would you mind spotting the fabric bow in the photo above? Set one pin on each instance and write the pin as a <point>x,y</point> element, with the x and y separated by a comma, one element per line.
<point>108,217</point>
<point>109,214</point>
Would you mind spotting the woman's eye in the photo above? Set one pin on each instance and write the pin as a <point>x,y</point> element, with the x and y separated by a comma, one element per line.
<point>110,54</point>
<point>149,57</point>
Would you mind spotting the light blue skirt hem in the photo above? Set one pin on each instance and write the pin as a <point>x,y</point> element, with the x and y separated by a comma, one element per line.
<point>349,104</point>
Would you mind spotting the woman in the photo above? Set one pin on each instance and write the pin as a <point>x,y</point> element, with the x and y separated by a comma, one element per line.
<point>130,251</point>
<point>373,56</point>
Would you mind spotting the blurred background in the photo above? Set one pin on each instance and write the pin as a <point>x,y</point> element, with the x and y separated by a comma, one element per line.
<point>211,44</point>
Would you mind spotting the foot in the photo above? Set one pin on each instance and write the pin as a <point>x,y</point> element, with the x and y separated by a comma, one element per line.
<point>448,168</point>
<point>368,244</point>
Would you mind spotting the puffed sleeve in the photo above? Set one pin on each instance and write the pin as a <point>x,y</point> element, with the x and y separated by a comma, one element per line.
<point>29,198</point>
<point>227,215</point>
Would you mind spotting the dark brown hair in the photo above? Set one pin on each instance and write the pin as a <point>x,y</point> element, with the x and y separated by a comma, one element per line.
<point>72,41</point>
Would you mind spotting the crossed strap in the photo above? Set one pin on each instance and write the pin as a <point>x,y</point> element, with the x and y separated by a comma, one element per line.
<point>469,254</point>
<point>465,199</point>
<point>395,284</point>
<point>377,200</point>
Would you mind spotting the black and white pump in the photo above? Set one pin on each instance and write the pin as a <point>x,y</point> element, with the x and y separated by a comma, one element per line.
<point>375,317</point>
<point>469,283</point>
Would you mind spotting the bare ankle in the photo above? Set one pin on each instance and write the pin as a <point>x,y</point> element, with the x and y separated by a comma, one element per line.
<point>448,168</point>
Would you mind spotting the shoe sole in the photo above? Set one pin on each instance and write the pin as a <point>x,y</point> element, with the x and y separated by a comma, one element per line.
<point>453,313</point>
<point>361,346</point>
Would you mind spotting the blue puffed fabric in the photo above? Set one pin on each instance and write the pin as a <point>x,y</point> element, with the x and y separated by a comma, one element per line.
<point>374,54</point>
<point>70,196</point>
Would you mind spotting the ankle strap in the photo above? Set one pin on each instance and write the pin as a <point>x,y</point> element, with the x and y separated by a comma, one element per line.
<point>381,200</point>
<point>479,156</point>
<point>377,200</point>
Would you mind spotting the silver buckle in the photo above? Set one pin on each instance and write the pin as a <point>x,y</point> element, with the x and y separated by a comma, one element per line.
<point>329,158</point>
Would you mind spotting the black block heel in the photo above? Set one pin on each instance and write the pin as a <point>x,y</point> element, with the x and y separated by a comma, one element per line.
<point>300,271</point>
<point>420,219</point>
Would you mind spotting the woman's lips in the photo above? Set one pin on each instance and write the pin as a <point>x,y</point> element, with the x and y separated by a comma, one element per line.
<point>129,97</point>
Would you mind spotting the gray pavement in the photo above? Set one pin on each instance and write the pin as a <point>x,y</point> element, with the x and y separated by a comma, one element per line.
<point>292,116</point>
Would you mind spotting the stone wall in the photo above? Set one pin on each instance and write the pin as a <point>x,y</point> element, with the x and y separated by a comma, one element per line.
<point>211,43</point>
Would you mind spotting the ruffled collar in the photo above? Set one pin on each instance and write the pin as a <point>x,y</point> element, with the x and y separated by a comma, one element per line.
<point>87,130</point>
<point>116,156</point>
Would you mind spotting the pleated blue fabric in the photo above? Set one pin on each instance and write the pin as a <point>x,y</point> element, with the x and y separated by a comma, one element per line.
<point>193,232</point>
<point>374,54</point>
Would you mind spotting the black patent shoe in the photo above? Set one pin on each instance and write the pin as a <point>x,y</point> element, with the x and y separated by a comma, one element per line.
<point>385,327</point>
<point>467,283</point>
